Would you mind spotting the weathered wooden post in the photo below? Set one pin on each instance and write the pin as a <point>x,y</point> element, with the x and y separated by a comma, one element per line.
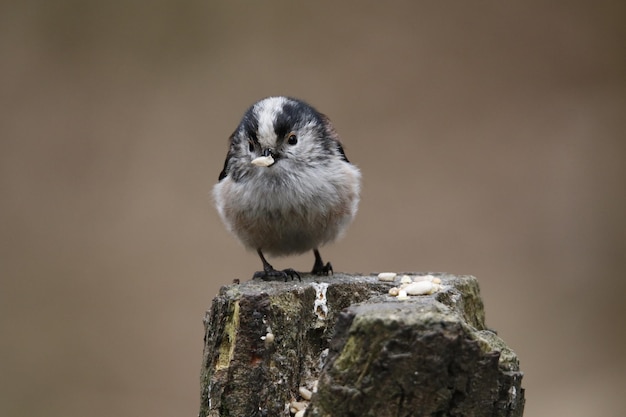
<point>342,346</point>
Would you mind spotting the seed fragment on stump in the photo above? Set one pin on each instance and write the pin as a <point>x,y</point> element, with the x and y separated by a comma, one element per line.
<point>359,350</point>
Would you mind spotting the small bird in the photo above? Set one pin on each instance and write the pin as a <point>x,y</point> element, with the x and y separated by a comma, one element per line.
<point>287,186</point>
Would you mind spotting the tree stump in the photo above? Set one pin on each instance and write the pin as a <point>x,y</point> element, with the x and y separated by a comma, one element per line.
<point>358,350</point>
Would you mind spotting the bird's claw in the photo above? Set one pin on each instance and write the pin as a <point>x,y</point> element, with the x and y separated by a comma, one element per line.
<point>321,269</point>
<point>275,275</point>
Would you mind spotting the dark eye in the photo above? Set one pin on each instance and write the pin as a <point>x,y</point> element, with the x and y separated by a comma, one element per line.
<point>251,146</point>
<point>292,139</point>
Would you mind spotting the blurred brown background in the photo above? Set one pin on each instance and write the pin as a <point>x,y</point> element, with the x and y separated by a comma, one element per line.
<point>491,137</point>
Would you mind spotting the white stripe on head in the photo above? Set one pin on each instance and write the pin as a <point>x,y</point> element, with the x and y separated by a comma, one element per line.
<point>266,111</point>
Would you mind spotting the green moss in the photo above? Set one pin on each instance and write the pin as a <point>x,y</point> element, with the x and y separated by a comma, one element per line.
<point>359,351</point>
<point>227,347</point>
<point>287,302</point>
<point>349,355</point>
<point>490,342</point>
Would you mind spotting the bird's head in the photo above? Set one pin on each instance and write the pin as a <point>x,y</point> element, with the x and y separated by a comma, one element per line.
<point>281,133</point>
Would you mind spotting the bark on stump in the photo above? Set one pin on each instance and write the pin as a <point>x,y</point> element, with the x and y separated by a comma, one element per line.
<point>363,352</point>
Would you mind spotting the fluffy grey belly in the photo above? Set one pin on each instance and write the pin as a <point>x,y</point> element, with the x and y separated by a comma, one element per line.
<point>287,214</point>
<point>291,231</point>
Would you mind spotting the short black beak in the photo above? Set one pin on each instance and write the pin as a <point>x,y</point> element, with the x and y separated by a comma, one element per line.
<point>268,152</point>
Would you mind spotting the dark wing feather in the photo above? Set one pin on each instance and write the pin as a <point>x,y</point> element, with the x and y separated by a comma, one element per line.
<point>224,172</point>
<point>332,133</point>
<point>229,155</point>
<point>343,154</point>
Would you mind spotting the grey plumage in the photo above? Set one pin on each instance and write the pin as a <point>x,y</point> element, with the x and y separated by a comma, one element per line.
<point>305,198</point>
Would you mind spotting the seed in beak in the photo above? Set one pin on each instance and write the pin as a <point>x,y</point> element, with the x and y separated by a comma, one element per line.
<point>263,161</point>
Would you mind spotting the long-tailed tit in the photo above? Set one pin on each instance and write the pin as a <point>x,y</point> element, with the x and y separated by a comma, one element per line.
<point>287,186</point>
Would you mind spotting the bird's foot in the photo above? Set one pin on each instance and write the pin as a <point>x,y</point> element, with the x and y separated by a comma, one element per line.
<point>321,269</point>
<point>271,274</point>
